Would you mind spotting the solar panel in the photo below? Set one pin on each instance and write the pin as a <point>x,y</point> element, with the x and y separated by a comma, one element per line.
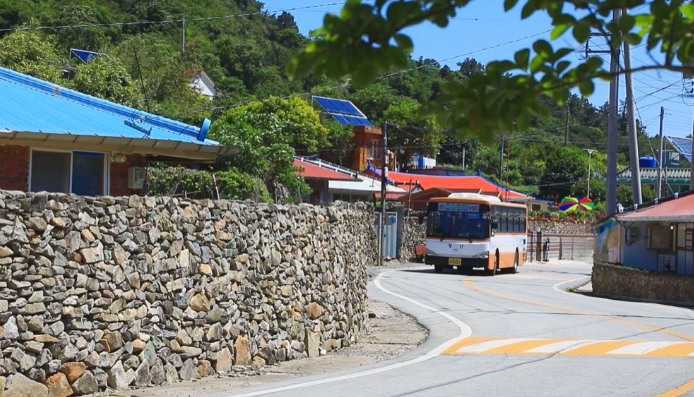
<point>343,111</point>
<point>682,145</point>
<point>84,55</point>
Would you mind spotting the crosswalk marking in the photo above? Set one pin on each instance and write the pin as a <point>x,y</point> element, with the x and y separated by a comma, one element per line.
<point>572,347</point>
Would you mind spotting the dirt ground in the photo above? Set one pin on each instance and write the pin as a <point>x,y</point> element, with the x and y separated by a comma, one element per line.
<point>391,333</point>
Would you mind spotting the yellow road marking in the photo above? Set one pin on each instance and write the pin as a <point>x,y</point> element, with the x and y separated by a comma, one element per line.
<point>513,276</point>
<point>598,348</point>
<point>678,350</point>
<point>679,390</point>
<point>521,347</point>
<point>571,347</point>
<point>468,283</point>
<point>464,342</point>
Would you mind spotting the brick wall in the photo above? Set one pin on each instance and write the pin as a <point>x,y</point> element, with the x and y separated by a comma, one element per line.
<point>119,176</point>
<point>14,168</point>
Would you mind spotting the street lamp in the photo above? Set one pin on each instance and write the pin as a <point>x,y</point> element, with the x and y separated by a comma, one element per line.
<point>590,154</point>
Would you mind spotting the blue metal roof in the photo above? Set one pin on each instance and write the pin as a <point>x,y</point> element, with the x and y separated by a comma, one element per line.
<point>31,105</point>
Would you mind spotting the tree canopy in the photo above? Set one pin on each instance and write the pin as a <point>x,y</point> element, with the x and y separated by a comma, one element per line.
<point>367,40</point>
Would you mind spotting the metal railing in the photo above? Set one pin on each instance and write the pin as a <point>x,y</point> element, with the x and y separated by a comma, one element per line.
<point>546,247</point>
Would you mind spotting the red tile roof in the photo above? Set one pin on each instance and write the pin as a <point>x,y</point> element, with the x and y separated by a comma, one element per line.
<point>679,209</point>
<point>308,170</point>
<point>453,183</point>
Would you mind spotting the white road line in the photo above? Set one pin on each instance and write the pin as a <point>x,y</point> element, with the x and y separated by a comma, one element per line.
<point>465,332</point>
<point>642,348</point>
<point>491,344</point>
<point>559,347</point>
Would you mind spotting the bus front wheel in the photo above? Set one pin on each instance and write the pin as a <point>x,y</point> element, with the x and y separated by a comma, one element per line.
<point>492,272</point>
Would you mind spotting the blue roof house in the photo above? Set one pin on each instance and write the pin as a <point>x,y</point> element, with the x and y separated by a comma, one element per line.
<point>59,140</point>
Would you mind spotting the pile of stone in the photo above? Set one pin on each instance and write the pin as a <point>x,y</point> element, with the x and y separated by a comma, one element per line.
<point>142,291</point>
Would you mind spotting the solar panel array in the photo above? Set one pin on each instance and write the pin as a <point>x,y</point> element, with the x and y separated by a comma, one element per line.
<point>682,145</point>
<point>343,111</point>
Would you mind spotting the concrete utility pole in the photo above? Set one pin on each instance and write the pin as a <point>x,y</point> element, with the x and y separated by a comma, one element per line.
<point>384,182</point>
<point>463,157</point>
<point>611,194</point>
<point>633,133</point>
<point>566,131</point>
<point>659,186</point>
<point>501,160</point>
<point>611,191</point>
<point>183,37</point>
<point>590,155</point>
<point>691,177</point>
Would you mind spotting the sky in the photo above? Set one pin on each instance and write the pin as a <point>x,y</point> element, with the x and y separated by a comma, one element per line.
<point>482,30</point>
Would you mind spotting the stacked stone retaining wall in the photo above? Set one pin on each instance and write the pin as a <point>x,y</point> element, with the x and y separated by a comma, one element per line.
<point>622,282</point>
<point>120,292</point>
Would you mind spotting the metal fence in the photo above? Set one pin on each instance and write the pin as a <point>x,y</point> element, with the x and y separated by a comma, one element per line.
<point>546,247</point>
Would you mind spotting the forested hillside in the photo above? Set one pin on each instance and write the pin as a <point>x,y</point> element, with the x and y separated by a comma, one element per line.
<point>150,49</point>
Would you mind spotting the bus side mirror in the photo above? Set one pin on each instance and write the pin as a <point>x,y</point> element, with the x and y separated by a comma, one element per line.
<point>421,218</point>
<point>495,224</point>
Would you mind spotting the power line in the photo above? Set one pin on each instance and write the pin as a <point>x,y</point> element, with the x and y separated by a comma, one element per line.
<point>165,21</point>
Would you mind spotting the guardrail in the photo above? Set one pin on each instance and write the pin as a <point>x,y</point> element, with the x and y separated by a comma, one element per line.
<point>546,247</point>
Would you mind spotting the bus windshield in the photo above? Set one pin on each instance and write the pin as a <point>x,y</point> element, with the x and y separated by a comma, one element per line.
<point>458,220</point>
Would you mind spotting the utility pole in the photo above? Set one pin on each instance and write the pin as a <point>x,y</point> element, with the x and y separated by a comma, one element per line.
<point>633,133</point>
<point>463,157</point>
<point>659,186</point>
<point>183,37</point>
<point>384,181</point>
<point>501,160</point>
<point>590,155</point>
<point>612,134</point>
<point>566,132</point>
<point>691,178</point>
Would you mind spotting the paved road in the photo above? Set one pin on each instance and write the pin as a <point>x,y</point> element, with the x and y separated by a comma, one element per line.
<point>518,335</point>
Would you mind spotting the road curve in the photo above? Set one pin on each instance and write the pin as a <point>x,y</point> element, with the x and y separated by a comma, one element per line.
<point>518,335</point>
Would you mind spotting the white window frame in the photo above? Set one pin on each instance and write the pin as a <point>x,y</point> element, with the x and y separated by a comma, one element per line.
<point>107,166</point>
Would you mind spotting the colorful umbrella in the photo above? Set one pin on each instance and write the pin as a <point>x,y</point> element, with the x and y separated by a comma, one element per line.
<point>573,204</point>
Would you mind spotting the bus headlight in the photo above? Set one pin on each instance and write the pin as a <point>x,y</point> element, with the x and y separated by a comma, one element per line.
<point>430,252</point>
<point>484,255</point>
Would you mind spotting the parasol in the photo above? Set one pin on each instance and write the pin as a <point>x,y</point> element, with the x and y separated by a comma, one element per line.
<point>576,204</point>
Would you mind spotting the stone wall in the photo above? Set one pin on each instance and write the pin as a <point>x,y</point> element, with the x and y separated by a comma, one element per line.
<point>627,283</point>
<point>414,232</point>
<point>98,292</point>
<point>565,227</point>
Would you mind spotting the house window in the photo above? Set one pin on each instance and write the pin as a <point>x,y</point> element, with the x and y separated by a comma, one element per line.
<point>81,173</point>
<point>373,148</point>
<point>685,236</point>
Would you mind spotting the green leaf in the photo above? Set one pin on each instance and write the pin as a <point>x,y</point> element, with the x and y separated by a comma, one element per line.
<point>688,10</point>
<point>522,57</point>
<point>509,4</point>
<point>542,47</point>
<point>586,87</point>
<point>559,30</point>
<point>405,42</point>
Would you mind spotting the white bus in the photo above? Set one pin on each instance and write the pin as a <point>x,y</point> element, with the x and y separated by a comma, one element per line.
<point>467,230</point>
